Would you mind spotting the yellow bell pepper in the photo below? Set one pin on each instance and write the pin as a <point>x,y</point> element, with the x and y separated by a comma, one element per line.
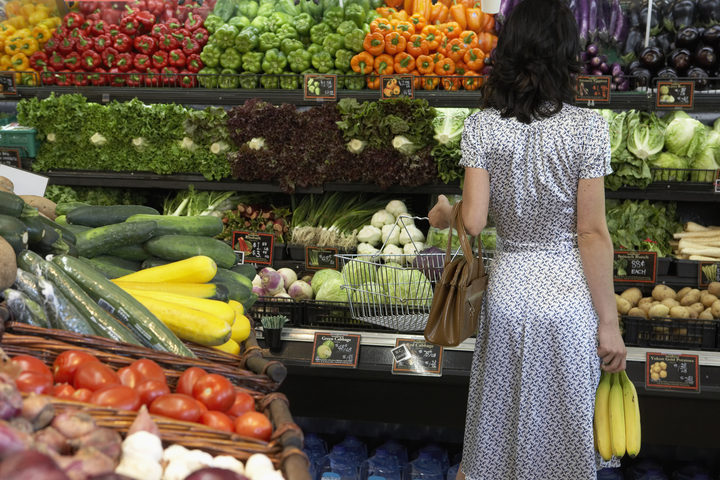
<point>29,46</point>
<point>27,9</point>
<point>37,17</point>
<point>30,78</point>
<point>5,63</point>
<point>6,28</point>
<point>12,45</point>
<point>18,22</point>
<point>13,8</point>
<point>20,62</point>
<point>41,33</point>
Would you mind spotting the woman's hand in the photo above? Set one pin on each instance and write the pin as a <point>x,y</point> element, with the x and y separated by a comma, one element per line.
<point>440,214</point>
<point>611,348</point>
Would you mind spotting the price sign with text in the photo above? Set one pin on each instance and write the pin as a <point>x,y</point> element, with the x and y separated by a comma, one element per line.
<point>393,86</point>
<point>675,94</point>
<point>320,87</point>
<point>668,371</point>
<point>593,89</point>
<point>256,247</point>
<point>317,258</point>
<point>10,157</point>
<point>335,350</point>
<point>708,272</point>
<point>717,181</point>
<point>7,84</point>
<point>635,267</point>
<point>417,357</point>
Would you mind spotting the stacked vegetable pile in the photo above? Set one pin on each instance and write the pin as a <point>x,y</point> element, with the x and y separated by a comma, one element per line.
<point>142,45</point>
<point>394,230</point>
<point>24,34</point>
<point>642,225</point>
<point>688,302</point>
<point>447,39</point>
<point>280,39</point>
<point>697,242</point>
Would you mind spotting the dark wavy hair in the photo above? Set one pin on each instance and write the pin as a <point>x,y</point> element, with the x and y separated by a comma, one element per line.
<point>535,61</point>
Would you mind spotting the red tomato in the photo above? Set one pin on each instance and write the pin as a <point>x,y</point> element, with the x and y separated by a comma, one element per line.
<point>94,376</point>
<point>177,406</point>
<point>116,396</point>
<point>215,391</point>
<point>244,402</point>
<point>82,395</point>
<point>129,377</point>
<point>63,390</point>
<point>149,390</point>
<point>32,364</point>
<point>187,380</point>
<point>148,370</point>
<point>254,425</point>
<point>33,382</point>
<point>217,420</point>
<point>67,362</point>
<point>203,408</point>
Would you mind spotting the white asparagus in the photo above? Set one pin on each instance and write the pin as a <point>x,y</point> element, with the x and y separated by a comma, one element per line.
<point>694,227</point>
<point>706,251</point>
<point>703,234</point>
<point>702,258</point>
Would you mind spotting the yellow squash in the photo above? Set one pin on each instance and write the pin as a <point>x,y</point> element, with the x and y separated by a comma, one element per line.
<point>216,308</point>
<point>198,290</point>
<point>230,346</point>
<point>198,269</point>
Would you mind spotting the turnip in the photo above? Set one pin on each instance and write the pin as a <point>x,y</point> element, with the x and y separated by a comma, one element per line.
<point>409,234</point>
<point>38,410</point>
<point>74,423</point>
<point>282,295</point>
<point>288,275</point>
<point>31,464</point>
<point>382,217</point>
<point>300,290</point>
<point>259,291</point>
<point>257,465</point>
<point>257,281</point>
<point>143,444</point>
<point>390,235</point>
<point>393,253</point>
<point>369,234</point>
<point>396,208</point>
<point>271,281</point>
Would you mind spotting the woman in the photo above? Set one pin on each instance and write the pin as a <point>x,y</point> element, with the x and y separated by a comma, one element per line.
<point>549,322</point>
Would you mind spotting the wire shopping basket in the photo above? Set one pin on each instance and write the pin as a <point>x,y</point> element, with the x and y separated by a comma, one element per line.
<point>391,289</point>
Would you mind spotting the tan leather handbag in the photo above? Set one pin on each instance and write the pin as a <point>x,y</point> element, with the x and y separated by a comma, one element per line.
<point>458,294</point>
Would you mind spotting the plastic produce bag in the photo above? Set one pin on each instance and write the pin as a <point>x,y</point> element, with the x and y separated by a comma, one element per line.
<point>24,309</point>
<point>62,314</point>
<point>27,283</point>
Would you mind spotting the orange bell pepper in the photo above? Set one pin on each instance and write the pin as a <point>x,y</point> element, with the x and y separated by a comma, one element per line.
<point>489,23</point>
<point>447,3</point>
<point>405,28</point>
<point>474,19</point>
<point>425,64</point>
<point>373,82</point>
<point>408,6</point>
<point>381,25</point>
<point>417,79</point>
<point>469,38</point>
<point>471,80</point>
<point>446,66</point>
<point>384,64</point>
<point>404,63</point>
<point>433,37</point>
<point>474,58</point>
<point>422,7</point>
<point>437,56</point>
<point>418,22</point>
<point>401,15</point>
<point>417,45</point>
<point>461,68</point>
<point>385,12</point>
<point>430,82</point>
<point>455,50</point>
<point>451,84</point>
<point>374,43</point>
<point>394,43</point>
<point>394,3</point>
<point>451,29</point>
<point>457,14</point>
<point>362,63</point>
<point>486,41</point>
<point>438,14</point>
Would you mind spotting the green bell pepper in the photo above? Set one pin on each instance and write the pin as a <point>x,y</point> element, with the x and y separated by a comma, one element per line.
<point>224,37</point>
<point>287,31</point>
<point>268,40</point>
<point>328,4</point>
<point>342,60</point>
<point>247,40</point>
<point>278,19</point>
<point>356,14</point>
<point>265,9</point>
<point>248,80</point>
<point>346,27</point>
<point>274,61</point>
<point>323,61</point>
<point>312,8</point>
<point>319,32</point>
<point>376,4</point>
<point>248,8</point>
<point>212,23</point>
<point>231,58</point>
<point>210,55</point>
<point>334,16</point>
<point>299,60</point>
<point>340,81</point>
<point>287,6</point>
<point>269,81</point>
<point>333,43</point>
<point>353,41</point>
<point>207,77</point>
<point>260,23</point>
<point>372,15</point>
<point>228,78</point>
<point>355,82</point>
<point>303,22</point>
<point>252,62</point>
<point>289,82</point>
<point>314,48</point>
<point>290,45</point>
<point>239,22</point>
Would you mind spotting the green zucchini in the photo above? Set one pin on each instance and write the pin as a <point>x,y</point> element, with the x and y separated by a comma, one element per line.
<point>106,215</point>
<point>76,229</point>
<point>135,253</point>
<point>14,232</point>
<point>61,220</point>
<point>110,271</point>
<point>26,281</point>
<point>245,269</point>
<point>239,288</point>
<point>35,228</point>
<point>118,262</point>
<point>24,309</point>
<point>66,233</point>
<point>104,324</point>
<point>153,262</point>
<point>62,314</point>
<point>205,225</point>
<point>114,299</point>
<point>63,208</point>
<point>97,241</point>
<point>180,247</point>
<point>11,204</point>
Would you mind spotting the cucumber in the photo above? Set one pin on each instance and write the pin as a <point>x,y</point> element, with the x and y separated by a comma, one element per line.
<point>66,233</point>
<point>24,309</point>
<point>26,281</point>
<point>131,252</point>
<point>11,204</point>
<point>62,314</point>
<point>106,215</point>
<point>14,232</point>
<point>77,229</point>
<point>35,229</point>
<point>246,270</point>
<point>63,208</point>
<point>205,225</point>
<point>153,262</point>
<point>180,247</point>
<point>97,241</point>
<point>225,275</point>
<point>104,324</point>
<point>118,262</point>
<point>108,270</point>
<point>235,283</point>
<point>109,296</point>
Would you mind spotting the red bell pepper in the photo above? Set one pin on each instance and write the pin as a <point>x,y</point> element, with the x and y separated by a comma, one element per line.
<point>73,20</point>
<point>87,8</point>
<point>75,33</point>
<point>87,25</point>
<point>169,76</point>
<point>57,62</point>
<point>63,79</point>
<point>129,25</point>
<point>91,60</point>
<point>116,77</point>
<point>187,79</point>
<point>39,61</point>
<point>194,63</point>
<point>190,46</point>
<point>80,79</point>
<point>160,59</point>
<point>66,46</point>
<point>98,77</point>
<point>112,14</point>
<point>159,29</point>
<point>124,61</point>
<point>73,61</point>
<point>181,33</point>
<point>84,43</point>
<point>168,42</point>
<point>100,27</point>
<point>152,77</point>
<point>177,58</point>
<point>52,44</point>
<point>146,20</point>
<point>145,44</point>
<point>135,78</point>
<point>174,24</point>
<point>113,30</point>
<point>122,43</point>
<point>201,36</point>
<point>142,62</point>
<point>155,7</point>
<point>193,22</point>
<point>102,42</point>
<point>109,56</point>
<point>47,76</point>
<point>95,16</point>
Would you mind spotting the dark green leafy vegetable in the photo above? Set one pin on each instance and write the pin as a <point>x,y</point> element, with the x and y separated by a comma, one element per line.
<point>642,225</point>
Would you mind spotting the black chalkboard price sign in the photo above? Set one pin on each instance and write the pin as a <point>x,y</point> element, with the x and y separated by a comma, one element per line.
<point>417,357</point>
<point>394,86</point>
<point>10,157</point>
<point>320,87</point>
<point>317,258</point>
<point>335,350</point>
<point>7,84</point>
<point>593,89</point>
<point>635,267</point>
<point>256,247</point>
<point>670,371</point>
<point>674,94</point>
<point>717,181</point>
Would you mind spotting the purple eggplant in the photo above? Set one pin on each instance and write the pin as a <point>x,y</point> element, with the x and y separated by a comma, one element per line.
<point>700,76</point>
<point>596,72</point>
<point>584,24</point>
<point>711,36</point>
<point>652,58</point>
<point>633,15</point>
<point>612,22</point>
<point>602,21</point>
<point>705,57</point>
<point>664,42</point>
<point>682,13</point>
<point>593,49</point>
<point>680,59</point>
<point>616,69</point>
<point>633,65</point>
<point>624,86</point>
<point>655,20</point>
<point>595,62</point>
<point>708,11</point>
<point>592,19</point>
<point>641,77</point>
<point>687,37</point>
<point>605,68</point>
<point>667,73</point>
<point>633,46</point>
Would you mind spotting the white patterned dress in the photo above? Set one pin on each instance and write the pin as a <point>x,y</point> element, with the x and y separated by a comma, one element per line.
<point>535,367</point>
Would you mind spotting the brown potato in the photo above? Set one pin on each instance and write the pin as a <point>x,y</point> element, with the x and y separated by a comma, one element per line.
<point>715,309</point>
<point>692,314</point>
<point>658,310</point>
<point>645,300</point>
<point>661,292</point>
<point>714,288</point>
<point>679,312</point>
<point>632,295</point>
<point>696,307</point>
<point>681,293</point>
<point>693,296</point>
<point>645,307</point>
<point>637,312</point>
<point>707,299</point>
<point>670,302</point>
<point>46,207</point>
<point>706,315</point>
<point>8,265</point>
<point>623,306</point>
<point>6,185</point>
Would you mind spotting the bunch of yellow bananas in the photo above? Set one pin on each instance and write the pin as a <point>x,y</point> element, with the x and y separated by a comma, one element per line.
<point>617,417</point>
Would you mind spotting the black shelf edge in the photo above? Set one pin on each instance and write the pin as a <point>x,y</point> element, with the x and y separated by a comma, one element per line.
<point>665,193</point>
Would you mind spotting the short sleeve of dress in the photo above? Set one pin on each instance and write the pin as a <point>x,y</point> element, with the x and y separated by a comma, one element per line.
<point>470,144</point>
<point>596,156</point>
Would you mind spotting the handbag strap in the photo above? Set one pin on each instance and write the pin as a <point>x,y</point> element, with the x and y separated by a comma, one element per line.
<point>457,223</point>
